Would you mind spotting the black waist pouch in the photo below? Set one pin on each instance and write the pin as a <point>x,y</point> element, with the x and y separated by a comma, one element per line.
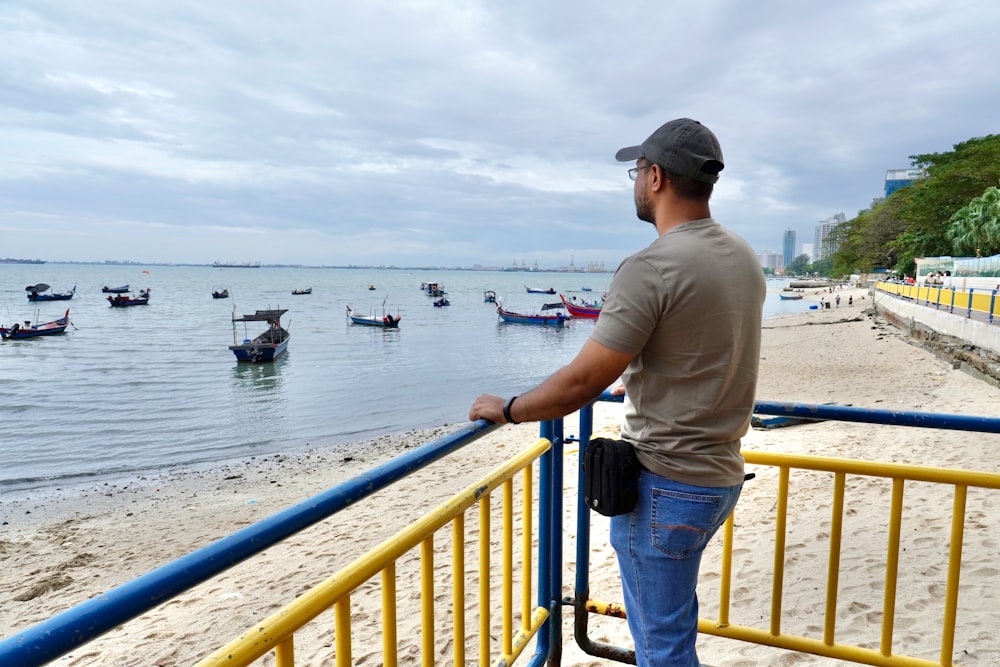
<point>610,476</point>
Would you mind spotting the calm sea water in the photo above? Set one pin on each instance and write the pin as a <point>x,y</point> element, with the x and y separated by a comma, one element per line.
<point>147,387</point>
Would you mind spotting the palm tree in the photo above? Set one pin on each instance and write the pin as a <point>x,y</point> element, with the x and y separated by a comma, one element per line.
<point>975,228</point>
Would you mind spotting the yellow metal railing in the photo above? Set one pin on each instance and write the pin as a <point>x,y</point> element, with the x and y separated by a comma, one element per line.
<point>277,632</point>
<point>828,644</point>
<point>981,302</point>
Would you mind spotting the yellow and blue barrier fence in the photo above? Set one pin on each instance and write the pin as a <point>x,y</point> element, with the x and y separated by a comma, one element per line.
<point>540,620</point>
<point>971,302</point>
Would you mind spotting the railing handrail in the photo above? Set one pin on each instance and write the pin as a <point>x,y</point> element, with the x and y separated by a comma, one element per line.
<point>82,623</point>
<point>86,621</point>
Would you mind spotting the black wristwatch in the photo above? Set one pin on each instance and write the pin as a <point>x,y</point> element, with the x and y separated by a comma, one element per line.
<point>506,410</point>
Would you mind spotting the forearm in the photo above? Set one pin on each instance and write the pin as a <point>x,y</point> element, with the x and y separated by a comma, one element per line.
<point>562,393</point>
<point>568,389</point>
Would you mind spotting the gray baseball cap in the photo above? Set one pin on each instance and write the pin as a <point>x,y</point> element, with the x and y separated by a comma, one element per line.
<point>684,147</point>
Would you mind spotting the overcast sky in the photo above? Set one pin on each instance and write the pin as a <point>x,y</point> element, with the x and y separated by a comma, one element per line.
<point>453,133</point>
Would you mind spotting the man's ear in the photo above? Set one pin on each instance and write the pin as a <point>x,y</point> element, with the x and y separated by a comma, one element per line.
<point>658,177</point>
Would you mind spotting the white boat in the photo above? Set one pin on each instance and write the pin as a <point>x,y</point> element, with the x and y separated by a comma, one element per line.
<point>386,321</point>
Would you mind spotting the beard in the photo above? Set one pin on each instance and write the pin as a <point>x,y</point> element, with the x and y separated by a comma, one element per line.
<point>643,210</point>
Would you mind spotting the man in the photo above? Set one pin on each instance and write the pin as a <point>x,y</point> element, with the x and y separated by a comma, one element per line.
<point>681,325</point>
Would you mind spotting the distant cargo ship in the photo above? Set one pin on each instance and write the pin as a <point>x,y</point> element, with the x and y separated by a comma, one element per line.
<point>11,260</point>
<point>236,265</point>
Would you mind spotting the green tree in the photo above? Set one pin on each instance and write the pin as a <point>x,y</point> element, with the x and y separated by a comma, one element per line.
<point>916,221</point>
<point>797,266</point>
<point>975,228</point>
<point>954,179</point>
<point>822,267</point>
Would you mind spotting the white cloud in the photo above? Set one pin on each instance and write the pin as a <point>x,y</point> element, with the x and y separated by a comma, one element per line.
<point>460,132</point>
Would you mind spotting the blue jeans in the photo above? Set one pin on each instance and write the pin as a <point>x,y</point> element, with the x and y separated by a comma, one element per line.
<point>659,547</point>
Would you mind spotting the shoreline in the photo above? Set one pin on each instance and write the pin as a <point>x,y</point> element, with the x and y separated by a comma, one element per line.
<point>23,489</point>
<point>63,547</point>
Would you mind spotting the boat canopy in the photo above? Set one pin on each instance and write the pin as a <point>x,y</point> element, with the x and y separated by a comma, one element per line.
<point>262,316</point>
<point>40,287</point>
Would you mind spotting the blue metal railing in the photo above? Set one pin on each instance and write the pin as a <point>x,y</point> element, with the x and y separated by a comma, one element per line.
<point>81,624</point>
<point>74,627</point>
<point>846,413</point>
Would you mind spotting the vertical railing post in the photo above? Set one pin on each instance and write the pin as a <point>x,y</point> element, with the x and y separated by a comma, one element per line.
<point>549,635</point>
<point>968,311</point>
<point>993,303</point>
<point>556,561</point>
<point>951,309</point>
<point>581,587</point>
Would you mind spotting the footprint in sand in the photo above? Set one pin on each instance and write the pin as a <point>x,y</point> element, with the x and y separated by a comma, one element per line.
<point>53,583</point>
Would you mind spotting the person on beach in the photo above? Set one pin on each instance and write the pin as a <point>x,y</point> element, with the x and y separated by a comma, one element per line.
<point>681,325</point>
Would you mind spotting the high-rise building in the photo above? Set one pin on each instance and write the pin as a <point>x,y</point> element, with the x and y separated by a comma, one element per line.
<point>826,243</point>
<point>896,179</point>
<point>769,260</point>
<point>788,247</point>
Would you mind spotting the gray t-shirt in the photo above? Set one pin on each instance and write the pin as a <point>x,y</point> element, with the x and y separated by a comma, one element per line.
<point>690,306</point>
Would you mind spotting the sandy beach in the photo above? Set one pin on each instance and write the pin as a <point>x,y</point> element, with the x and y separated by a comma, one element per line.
<point>63,546</point>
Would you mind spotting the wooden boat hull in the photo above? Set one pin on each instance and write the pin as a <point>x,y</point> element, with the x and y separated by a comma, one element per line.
<point>64,296</point>
<point>125,302</point>
<point>580,311</point>
<point>115,290</point>
<point>374,321</point>
<point>385,321</point>
<point>790,297</point>
<point>265,347</point>
<point>538,290</point>
<point>256,352</point>
<point>297,292</point>
<point>53,328</point>
<point>220,295</point>
<point>556,320</point>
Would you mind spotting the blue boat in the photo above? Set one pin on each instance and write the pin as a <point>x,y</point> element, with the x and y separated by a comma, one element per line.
<point>556,320</point>
<point>36,293</point>
<point>266,347</point>
<point>16,331</point>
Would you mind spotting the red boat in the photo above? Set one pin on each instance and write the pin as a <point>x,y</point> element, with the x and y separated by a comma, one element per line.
<point>581,309</point>
<point>125,300</point>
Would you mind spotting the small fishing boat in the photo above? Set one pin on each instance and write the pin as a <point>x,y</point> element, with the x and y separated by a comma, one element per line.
<point>433,289</point>
<point>17,331</point>
<point>36,293</point>
<point>790,297</point>
<point>224,294</point>
<point>539,290</point>
<point>581,309</point>
<point>586,289</point>
<point>556,320</point>
<point>442,302</point>
<point>386,321</point>
<point>269,345</point>
<point>489,296</point>
<point>371,286</point>
<point>308,290</point>
<point>115,290</point>
<point>126,300</point>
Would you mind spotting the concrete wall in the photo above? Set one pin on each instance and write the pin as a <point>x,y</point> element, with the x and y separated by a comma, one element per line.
<point>971,345</point>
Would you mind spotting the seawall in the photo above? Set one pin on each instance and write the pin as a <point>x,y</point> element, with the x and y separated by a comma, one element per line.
<point>971,345</point>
